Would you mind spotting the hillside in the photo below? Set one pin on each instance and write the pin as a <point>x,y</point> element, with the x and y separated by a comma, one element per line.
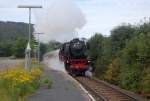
<point>12,34</point>
<point>10,31</point>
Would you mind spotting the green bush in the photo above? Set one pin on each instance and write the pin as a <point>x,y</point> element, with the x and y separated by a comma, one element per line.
<point>47,82</point>
<point>130,78</point>
<point>145,83</point>
<point>19,83</point>
<point>113,72</point>
<point>123,58</point>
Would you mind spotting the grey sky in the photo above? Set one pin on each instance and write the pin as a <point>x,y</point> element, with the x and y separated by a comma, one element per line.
<point>101,15</point>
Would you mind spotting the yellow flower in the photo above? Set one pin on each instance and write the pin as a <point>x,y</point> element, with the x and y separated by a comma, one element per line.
<point>20,77</point>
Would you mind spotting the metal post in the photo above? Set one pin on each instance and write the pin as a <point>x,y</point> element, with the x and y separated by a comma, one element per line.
<point>29,40</point>
<point>29,25</point>
<point>35,54</point>
<point>38,51</point>
<point>39,48</point>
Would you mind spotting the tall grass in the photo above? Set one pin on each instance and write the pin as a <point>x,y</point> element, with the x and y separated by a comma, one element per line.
<point>17,83</point>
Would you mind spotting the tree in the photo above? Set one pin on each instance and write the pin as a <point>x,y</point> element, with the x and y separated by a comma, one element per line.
<point>53,45</point>
<point>95,46</point>
<point>134,58</point>
<point>123,58</point>
<point>113,71</point>
<point>19,47</point>
<point>6,49</point>
<point>43,50</point>
<point>9,33</point>
<point>104,57</point>
<point>145,82</point>
<point>120,36</point>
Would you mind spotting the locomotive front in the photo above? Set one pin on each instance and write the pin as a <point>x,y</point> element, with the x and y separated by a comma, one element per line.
<point>77,48</point>
<point>75,60</point>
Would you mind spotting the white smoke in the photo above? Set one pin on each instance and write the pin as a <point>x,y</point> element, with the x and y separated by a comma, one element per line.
<point>59,20</point>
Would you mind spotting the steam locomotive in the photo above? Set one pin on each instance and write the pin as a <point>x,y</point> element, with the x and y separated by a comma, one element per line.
<point>74,56</point>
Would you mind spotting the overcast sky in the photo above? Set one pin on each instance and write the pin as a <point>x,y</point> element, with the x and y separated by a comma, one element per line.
<point>101,15</point>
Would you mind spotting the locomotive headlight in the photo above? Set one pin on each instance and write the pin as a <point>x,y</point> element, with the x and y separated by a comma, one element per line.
<point>89,61</point>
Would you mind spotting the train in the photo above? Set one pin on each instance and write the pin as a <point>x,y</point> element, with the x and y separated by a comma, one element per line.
<point>75,58</point>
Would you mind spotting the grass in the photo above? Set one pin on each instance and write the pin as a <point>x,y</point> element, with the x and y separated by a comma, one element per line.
<point>47,82</point>
<point>4,96</point>
<point>16,84</point>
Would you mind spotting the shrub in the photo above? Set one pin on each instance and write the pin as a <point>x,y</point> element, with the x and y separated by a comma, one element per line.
<point>145,83</point>
<point>19,83</point>
<point>130,78</point>
<point>47,82</point>
<point>113,71</point>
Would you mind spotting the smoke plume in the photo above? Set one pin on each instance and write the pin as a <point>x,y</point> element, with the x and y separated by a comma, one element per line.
<point>59,20</point>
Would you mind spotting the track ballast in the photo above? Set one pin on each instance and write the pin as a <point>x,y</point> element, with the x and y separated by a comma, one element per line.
<point>102,91</point>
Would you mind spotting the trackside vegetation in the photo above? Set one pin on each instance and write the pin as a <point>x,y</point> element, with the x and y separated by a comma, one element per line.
<point>14,38</point>
<point>123,58</point>
<point>17,84</point>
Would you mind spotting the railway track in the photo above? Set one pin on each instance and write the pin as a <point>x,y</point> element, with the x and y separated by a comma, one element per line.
<point>102,91</point>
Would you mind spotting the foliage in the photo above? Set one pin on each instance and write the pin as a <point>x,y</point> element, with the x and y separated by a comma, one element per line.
<point>6,49</point>
<point>120,36</point>
<point>18,83</point>
<point>123,58</point>
<point>43,50</point>
<point>19,47</point>
<point>100,53</point>
<point>53,45</point>
<point>10,31</point>
<point>145,82</point>
<point>94,47</point>
<point>13,37</point>
<point>113,71</point>
<point>47,82</point>
<point>135,57</point>
<point>130,78</point>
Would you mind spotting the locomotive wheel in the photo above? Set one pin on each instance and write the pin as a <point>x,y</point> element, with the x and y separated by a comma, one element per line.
<point>66,66</point>
<point>79,73</point>
<point>69,71</point>
<point>73,73</point>
<point>83,73</point>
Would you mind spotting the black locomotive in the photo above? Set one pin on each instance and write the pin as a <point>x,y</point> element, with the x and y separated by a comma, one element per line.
<point>74,56</point>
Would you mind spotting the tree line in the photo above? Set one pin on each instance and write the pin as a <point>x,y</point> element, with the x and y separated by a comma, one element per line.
<point>14,38</point>
<point>123,58</point>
